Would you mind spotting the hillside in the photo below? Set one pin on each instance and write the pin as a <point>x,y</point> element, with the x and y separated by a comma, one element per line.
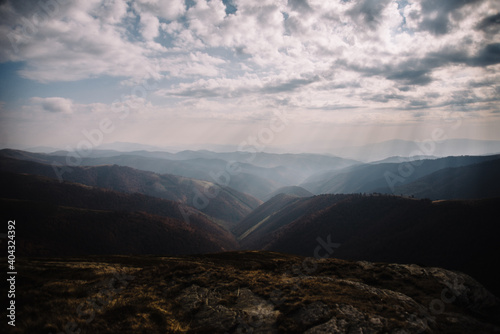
<point>246,292</point>
<point>457,235</point>
<point>290,190</point>
<point>257,174</point>
<point>44,229</point>
<point>228,205</point>
<point>475,181</point>
<point>43,189</point>
<point>373,177</point>
<point>258,228</point>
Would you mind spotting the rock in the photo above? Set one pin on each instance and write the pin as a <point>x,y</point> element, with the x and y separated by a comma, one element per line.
<point>192,298</point>
<point>350,320</point>
<point>216,318</point>
<point>257,313</point>
<point>218,309</point>
<point>247,312</point>
<point>312,314</point>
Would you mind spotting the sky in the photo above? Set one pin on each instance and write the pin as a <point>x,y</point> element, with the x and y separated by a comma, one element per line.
<point>296,75</point>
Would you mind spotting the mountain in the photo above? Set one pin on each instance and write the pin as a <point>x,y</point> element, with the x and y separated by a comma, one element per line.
<point>257,174</point>
<point>383,177</point>
<point>405,148</point>
<point>53,230</point>
<point>399,159</point>
<point>246,292</point>
<point>41,149</point>
<point>258,228</point>
<point>222,203</point>
<point>46,201</point>
<point>290,190</point>
<point>480,180</point>
<point>43,189</point>
<point>458,235</point>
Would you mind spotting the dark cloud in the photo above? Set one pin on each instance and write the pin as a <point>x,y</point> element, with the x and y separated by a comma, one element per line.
<point>384,97</point>
<point>414,72</point>
<point>418,71</point>
<point>484,83</point>
<point>299,5</point>
<point>368,12</point>
<point>335,107</point>
<point>489,55</point>
<point>411,77</point>
<point>417,104</point>
<point>273,88</point>
<point>433,95</point>
<point>289,86</point>
<point>490,24</point>
<point>436,14</point>
<point>198,92</point>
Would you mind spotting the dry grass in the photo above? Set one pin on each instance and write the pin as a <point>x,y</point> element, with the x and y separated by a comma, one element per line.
<point>55,295</point>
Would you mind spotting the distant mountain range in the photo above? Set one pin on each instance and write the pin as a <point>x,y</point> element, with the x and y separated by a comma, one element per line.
<point>481,180</point>
<point>387,177</point>
<point>366,153</point>
<point>229,205</point>
<point>407,149</point>
<point>256,174</point>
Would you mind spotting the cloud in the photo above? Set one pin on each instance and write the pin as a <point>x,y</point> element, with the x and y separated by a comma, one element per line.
<point>150,26</point>
<point>54,104</point>
<point>300,6</point>
<point>73,41</point>
<point>169,10</point>
<point>490,24</point>
<point>323,56</point>
<point>238,87</point>
<point>489,55</point>
<point>192,65</point>
<point>368,12</point>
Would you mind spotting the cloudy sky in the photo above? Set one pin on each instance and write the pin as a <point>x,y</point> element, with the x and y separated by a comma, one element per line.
<point>294,75</point>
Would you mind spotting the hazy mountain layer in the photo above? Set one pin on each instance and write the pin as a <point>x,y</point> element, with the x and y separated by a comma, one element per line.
<point>256,174</point>
<point>480,180</point>
<point>384,177</point>
<point>219,202</point>
<point>290,190</point>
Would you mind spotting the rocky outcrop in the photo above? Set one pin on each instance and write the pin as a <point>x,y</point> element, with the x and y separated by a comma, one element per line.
<point>253,292</point>
<point>368,298</point>
<point>220,311</point>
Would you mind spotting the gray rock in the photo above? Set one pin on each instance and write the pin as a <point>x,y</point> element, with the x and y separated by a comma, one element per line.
<point>312,314</point>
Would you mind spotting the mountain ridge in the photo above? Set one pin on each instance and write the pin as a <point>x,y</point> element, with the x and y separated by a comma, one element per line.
<point>171,187</point>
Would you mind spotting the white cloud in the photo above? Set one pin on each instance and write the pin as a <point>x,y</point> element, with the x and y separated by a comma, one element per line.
<point>329,61</point>
<point>150,25</point>
<point>54,104</point>
<point>77,41</point>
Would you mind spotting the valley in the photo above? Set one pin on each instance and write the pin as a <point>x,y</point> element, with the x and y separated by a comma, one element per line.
<point>207,257</point>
